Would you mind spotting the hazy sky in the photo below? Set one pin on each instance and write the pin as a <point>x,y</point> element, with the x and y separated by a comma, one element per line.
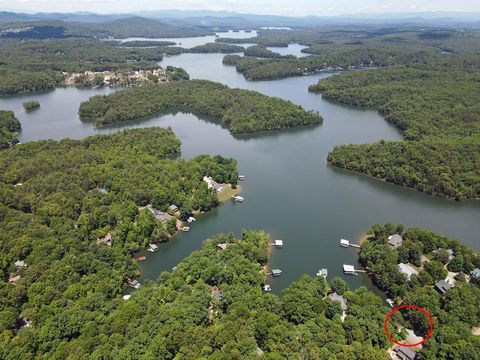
<point>280,7</point>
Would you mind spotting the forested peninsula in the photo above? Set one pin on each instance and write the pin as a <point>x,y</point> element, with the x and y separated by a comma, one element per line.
<point>241,111</point>
<point>438,111</point>
<point>9,127</point>
<point>430,259</point>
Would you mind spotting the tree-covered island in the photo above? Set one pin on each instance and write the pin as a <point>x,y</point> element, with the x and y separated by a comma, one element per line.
<point>241,111</point>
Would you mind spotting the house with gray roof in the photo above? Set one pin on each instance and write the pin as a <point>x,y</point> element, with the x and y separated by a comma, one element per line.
<point>405,353</point>
<point>395,240</point>
<point>443,286</point>
<point>161,216</point>
<point>339,298</point>
<point>407,270</point>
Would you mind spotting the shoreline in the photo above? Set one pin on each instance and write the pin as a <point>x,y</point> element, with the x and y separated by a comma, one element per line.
<point>227,195</point>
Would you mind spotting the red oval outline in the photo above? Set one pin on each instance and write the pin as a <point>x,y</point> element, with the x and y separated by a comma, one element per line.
<point>429,317</point>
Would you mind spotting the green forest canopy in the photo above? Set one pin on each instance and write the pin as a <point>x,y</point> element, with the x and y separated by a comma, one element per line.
<point>455,313</point>
<point>241,111</point>
<point>9,127</point>
<point>438,111</point>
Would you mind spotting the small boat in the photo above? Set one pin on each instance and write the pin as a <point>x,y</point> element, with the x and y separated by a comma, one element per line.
<point>185,229</point>
<point>141,258</point>
<point>238,198</point>
<point>152,247</point>
<point>241,177</point>
<point>267,288</point>
<point>191,219</point>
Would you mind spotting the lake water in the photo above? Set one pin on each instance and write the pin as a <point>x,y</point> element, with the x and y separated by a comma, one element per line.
<point>200,40</point>
<point>289,191</point>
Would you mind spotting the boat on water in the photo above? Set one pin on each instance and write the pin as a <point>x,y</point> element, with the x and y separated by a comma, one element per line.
<point>241,177</point>
<point>191,219</point>
<point>185,229</point>
<point>267,288</point>
<point>238,198</point>
<point>141,258</point>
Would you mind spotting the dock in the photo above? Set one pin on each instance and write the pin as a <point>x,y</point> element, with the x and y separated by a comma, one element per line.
<point>275,272</point>
<point>277,243</point>
<point>323,272</point>
<point>350,269</point>
<point>346,243</point>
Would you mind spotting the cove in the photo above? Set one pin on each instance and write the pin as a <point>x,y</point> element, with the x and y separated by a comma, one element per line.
<point>290,191</point>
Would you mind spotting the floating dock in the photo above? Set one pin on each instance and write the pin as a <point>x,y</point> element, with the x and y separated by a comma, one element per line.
<point>346,243</point>
<point>152,248</point>
<point>323,272</point>
<point>277,243</point>
<point>350,269</point>
<point>276,272</point>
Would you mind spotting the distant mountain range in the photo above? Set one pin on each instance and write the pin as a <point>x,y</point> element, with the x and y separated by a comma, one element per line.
<point>177,23</point>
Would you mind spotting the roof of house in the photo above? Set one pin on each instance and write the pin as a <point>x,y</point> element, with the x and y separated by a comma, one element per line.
<point>222,246</point>
<point>343,302</point>
<point>395,240</point>
<point>160,215</point>
<point>217,294</point>
<point>407,270</point>
<point>443,286</point>
<point>405,353</point>
<point>173,207</point>
<point>475,272</point>
<point>19,263</point>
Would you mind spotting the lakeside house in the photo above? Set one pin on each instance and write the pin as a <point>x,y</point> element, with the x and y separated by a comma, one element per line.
<point>173,208</point>
<point>395,240</point>
<point>212,184</point>
<point>449,251</point>
<point>475,273</point>
<point>20,264</point>
<point>217,294</point>
<point>443,286</point>
<point>407,269</point>
<point>222,246</point>
<point>106,240</point>
<point>339,298</point>
<point>405,353</point>
<point>13,279</point>
<point>161,216</point>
